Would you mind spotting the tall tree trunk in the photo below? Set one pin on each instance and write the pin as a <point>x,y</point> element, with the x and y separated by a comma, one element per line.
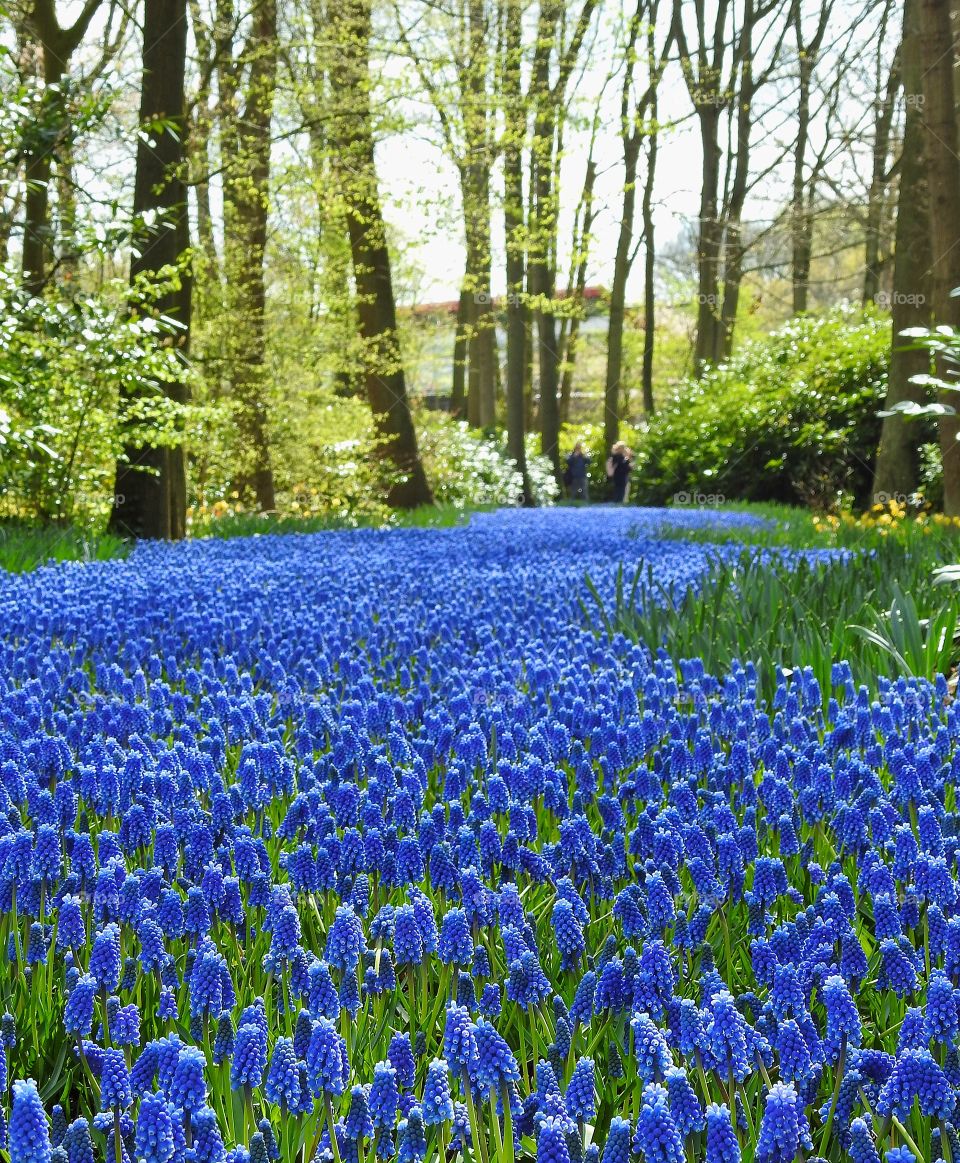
<point>543,286</point>
<point>576,285</point>
<point>58,44</point>
<point>943,175</point>
<point>618,294</point>
<point>897,469</point>
<point>734,248</point>
<point>800,221</point>
<point>879,183</point>
<point>475,185</point>
<point>801,206</point>
<point>480,333</point>
<point>353,159</point>
<point>150,491</point>
<point>246,210</point>
<point>540,270</point>
<point>68,256</point>
<point>513,221</point>
<point>709,242</point>
<point>649,264</point>
<point>37,171</point>
<point>333,290</point>
<point>458,391</point>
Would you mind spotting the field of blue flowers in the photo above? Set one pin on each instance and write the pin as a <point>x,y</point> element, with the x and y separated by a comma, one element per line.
<point>366,846</point>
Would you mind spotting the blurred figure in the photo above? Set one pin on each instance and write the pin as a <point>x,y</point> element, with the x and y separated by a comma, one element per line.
<point>619,465</point>
<point>576,477</point>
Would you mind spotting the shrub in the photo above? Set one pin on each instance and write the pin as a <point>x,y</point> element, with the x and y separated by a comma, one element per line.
<point>469,469</point>
<point>67,364</point>
<point>790,418</point>
<point>342,483</point>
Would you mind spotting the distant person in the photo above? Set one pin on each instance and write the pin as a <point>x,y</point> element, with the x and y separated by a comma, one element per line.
<point>619,464</point>
<point>576,477</point>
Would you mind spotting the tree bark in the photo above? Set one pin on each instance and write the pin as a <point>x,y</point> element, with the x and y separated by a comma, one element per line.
<point>649,265</point>
<point>548,99</point>
<point>246,210</point>
<point>150,491</point>
<point>733,249</point>
<point>632,131</point>
<point>897,469</point>
<point>475,186</point>
<point>801,215</point>
<point>458,391</point>
<point>710,241</point>
<point>513,222</point>
<point>353,158</point>
<point>800,223</point>
<point>540,270</point>
<point>618,294</point>
<point>57,44</point>
<point>943,175</point>
<point>879,184</point>
<point>570,328</point>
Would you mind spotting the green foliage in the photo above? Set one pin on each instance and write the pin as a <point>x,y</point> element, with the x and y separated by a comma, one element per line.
<point>333,477</point>
<point>791,418</point>
<point>878,608</point>
<point>67,365</point>
<point>249,524</point>
<point>25,547</point>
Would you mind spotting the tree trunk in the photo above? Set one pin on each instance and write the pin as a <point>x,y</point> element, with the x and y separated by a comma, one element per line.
<point>649,265</point>
<point>37,171</point>
<point>150,491</point>
<point>513,222</point>
<point>570,333</point>
<point>618,294</point>
<point>943,175</point>
<point>801,207</point>
<point>475,184</point>
<point>709,242</point>
<point>58,44</point>
<point>542,226</point>
<point>67,249</point>
<point>800,221</point>
<point>246,209</point>
<point>481,336</point>
<point>458,390</point>
<point>879,185</point>
<point>897,470</point>
<point>353,159</point>
<point>734,250</point>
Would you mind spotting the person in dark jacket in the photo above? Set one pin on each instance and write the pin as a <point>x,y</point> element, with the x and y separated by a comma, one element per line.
<point>619,464</point>
<point>577,477</point>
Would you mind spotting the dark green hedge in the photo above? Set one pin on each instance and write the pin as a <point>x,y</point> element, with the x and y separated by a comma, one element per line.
<point>790,418</point>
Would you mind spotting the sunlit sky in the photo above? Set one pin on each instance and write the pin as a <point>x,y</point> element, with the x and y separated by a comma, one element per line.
<point>421,185</point>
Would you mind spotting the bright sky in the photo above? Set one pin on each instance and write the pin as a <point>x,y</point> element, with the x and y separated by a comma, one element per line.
<point>422,187</point>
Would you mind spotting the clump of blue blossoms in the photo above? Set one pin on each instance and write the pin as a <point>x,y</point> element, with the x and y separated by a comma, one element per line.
<point>365,846</point>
